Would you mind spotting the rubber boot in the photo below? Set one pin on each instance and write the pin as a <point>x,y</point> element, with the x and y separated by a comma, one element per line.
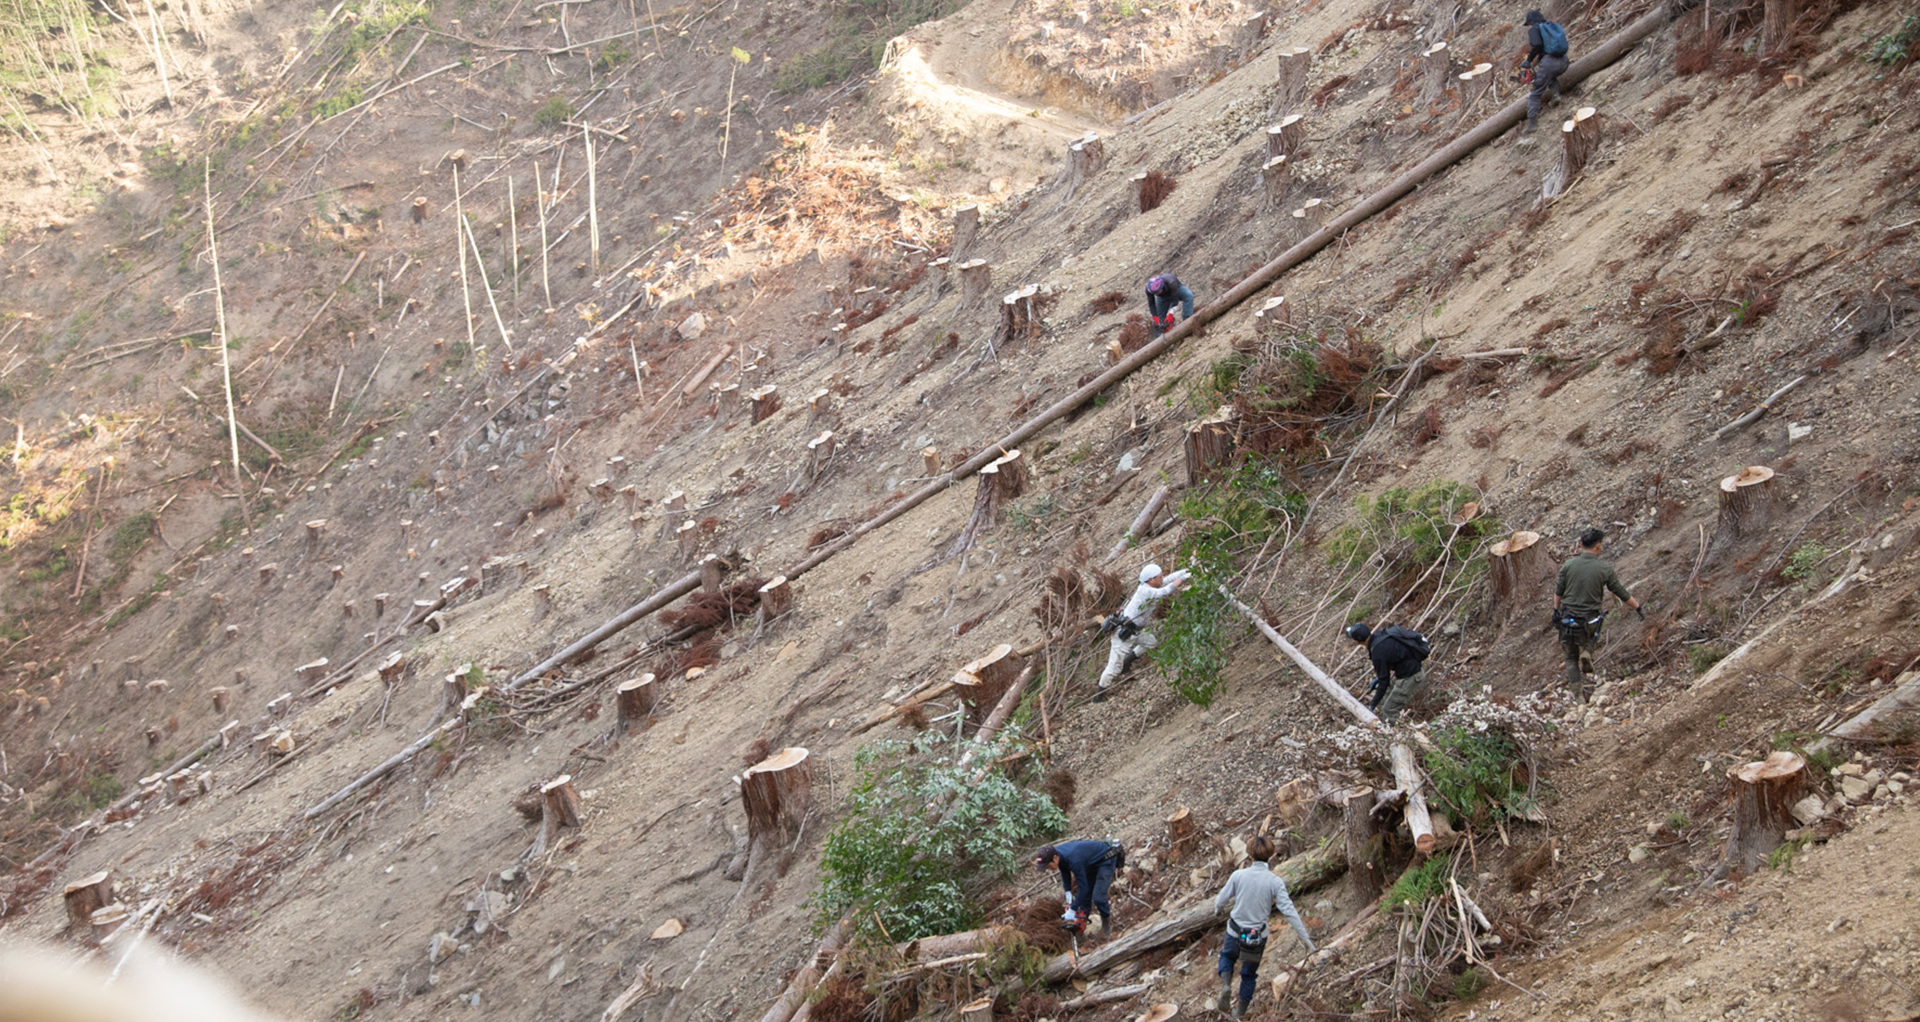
<point>1526,133</point>
<point>1226,993</point>
<point>1240,1009</point>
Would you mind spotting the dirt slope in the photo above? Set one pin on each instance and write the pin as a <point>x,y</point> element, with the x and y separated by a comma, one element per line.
<point>1773,210</point>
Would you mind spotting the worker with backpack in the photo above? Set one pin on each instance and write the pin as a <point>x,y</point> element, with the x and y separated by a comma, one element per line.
<point>1547,60</point>
<point>1399,658</point>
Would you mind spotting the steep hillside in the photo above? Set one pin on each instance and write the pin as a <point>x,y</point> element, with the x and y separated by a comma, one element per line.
<point>740,330</point>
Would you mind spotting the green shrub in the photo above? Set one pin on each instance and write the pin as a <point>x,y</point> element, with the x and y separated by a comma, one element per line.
<point>1896,47</point>
<point>1804,562</point>
<point>857,35</point>
<point>1417,885</point>
<point>1413,527</point>
<point>1469,982</point>
<point>1473,774</point>
<point>1703,656</point>
<point>922,835</point>
<point>556,112</point>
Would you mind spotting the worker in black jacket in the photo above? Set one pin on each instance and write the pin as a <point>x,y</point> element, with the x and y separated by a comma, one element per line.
<point>1399,657</point>
<point>1547,56</point>
<point>1163,289</point>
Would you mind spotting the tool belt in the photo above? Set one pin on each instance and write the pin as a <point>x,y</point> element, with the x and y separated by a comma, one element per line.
<point>1120,625</point>
<point>1251,937</point>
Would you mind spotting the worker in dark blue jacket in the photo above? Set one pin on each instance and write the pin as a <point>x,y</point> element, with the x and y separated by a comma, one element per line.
<point>1547,57</point>
<point>1163,289</point>
<point>1086,872</point>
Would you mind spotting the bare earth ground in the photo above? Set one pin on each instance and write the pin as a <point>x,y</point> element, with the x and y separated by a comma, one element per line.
<point>976,107</point>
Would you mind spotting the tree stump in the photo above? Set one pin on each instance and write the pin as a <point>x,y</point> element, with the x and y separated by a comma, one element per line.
<point>159,686</point>
<point>1183,834</point>
<point>1515,564</point>
<point>392,667</point>
<point>765,401</point>
<point>819,406</point>
<point>307,672</point>
<point>1209,445</point>
<point>688,537</point>
<point>1274,312</point>
<point>671,510</point>
<point>1435,63</point>
<point>1002,481</point>
<point>85,895</point>
<point>636,700</point>
<point>267,572</point>
<point>316,533</point>
<point>1366,849</point>
<point>774,792</point>
<point>975,278</point>
<point>713,570</point>
<point>1290,87</point>
<point>1763,795</point>
<point>420,210</point>
<point>542,600</point>
<point>1275,177</point>
<point>380,604</point>
<point>1085,156</point>
<point>980,1010</point>
<point>219,694</point>
<point>1286,137</point>
<point>559,809</point>
<point>106,921</point>
<point>726,402</point>
<point>1250,33</point>
<point>819,453</point>
<point>453,692</point>
<point>602,490</point>
<point>154,734</point>
<point>1744,500</point>
<point>930,461</point>
<point>1308,218</point>
<point>1018,318</point>
<point>776,599</point>
<point>1579,138</point>
<point>982,682</point>
<point>966,228</point>
<point>1776,26</point>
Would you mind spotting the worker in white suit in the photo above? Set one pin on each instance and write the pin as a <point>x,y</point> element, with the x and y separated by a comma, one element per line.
<point>1130,636</point>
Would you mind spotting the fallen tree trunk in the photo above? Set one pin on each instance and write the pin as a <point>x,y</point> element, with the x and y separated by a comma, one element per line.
<point>1302,873</point>
<point>1862,726</point>
<point>384,768</point>
<point>1142,522</point>
<point>1405,773</point>
<point>1320,677</point>
<point>619,622</point>
<point>795,995</point>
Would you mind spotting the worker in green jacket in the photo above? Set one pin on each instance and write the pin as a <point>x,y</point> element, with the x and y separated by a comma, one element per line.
<point>1584,582</point>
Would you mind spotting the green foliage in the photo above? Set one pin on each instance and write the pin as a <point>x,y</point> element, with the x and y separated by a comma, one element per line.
<point>611,57</point>
<point>377,20</point>
<point>1469,982</point>
<point>1781,858</point>
<point>857,35</point>
<point>1417,885</point>
<point>1703,656</point>
<point>922,834</point>
<point>1473,774</point>
<point>1804,562</point>
<point>1896,47</point>
<point>1677,821</point>
<point>1225,518</point>
<point>1412,526</point>
<point>340,103</point>
<point>131,536</point>
<point>1209,392</point>
<point>556,112</point>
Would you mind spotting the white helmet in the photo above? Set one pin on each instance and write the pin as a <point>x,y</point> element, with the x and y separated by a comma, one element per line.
<point>1149,573</point>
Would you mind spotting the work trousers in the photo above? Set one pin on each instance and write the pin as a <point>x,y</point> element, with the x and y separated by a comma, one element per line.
<point>1546,83</point>
<point>1400,693</point>
<point>1248,955</point>
<point>1119,649</point>
<point>1578,643</point>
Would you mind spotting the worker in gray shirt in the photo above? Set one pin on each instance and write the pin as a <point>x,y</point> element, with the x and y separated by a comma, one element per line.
<point>1255,893</point>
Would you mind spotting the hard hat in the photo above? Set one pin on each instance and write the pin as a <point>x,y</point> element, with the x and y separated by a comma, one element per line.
<point>1358,631</point>
<point>1155,283</point>
<point>1149,573</point>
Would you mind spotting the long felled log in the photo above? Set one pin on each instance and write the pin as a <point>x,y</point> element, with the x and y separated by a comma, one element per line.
<point>1905,698</point>
<point>1312,670</point>
<point>1302,873</point>
<point>1406,774</point>
<point>794,996</point>
<point>1141,522</point>
<point>626,618</point>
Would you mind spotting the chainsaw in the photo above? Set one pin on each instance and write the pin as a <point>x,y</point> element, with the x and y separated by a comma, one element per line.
<point>1524,76</point>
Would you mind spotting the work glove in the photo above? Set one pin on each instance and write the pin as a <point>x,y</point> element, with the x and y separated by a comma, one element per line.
<point>1553,618</point>
<point>1642,611</point>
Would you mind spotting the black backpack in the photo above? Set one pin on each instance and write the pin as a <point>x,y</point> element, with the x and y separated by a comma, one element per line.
<point>1413,642</point>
